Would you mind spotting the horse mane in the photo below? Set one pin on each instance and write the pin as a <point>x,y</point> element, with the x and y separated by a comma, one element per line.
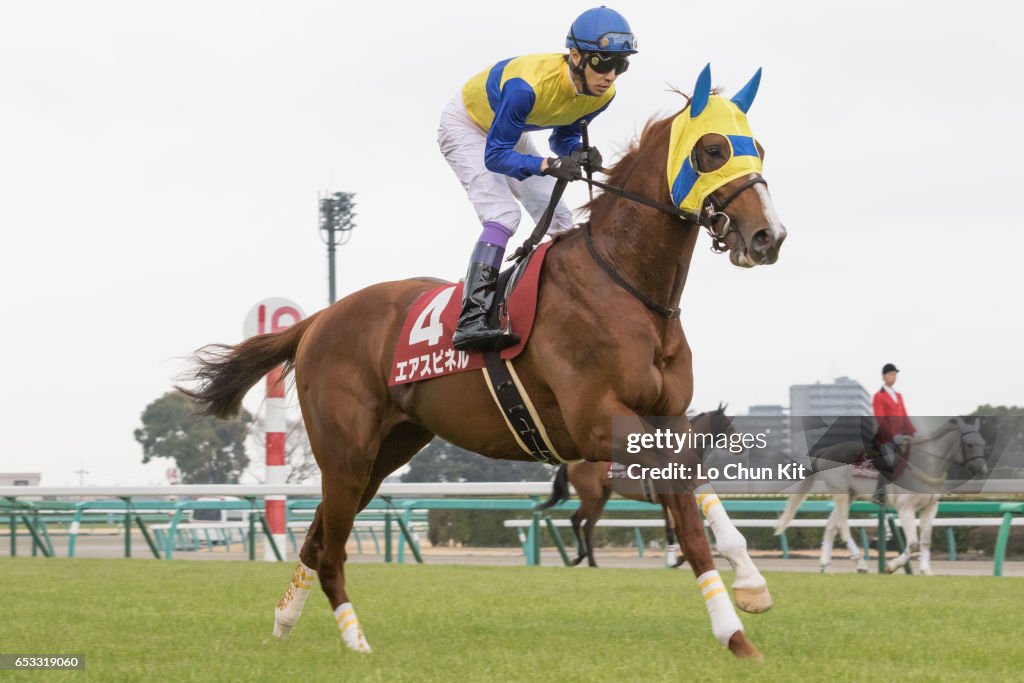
<point>621,170</point>
<point>937,433</point>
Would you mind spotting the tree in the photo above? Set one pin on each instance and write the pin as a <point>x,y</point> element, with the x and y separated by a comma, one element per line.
<point>205,449</point>
<point>1003,430</point>
<point>440,461</point>
<point>298,452</point>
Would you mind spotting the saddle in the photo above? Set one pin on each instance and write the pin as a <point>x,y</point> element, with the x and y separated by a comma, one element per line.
<point>424,347</point>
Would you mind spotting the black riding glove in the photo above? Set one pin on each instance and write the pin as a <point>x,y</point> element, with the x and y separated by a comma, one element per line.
<point>589,159</point>
<point>563,168</point>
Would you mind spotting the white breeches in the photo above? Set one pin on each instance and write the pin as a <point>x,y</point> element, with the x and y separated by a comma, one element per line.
<point>493,195</point>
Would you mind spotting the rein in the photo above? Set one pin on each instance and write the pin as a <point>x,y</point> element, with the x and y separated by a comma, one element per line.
<point>712,215</point>
<point>918,472</point>
<point>663,311</point>
<point>712,210</point>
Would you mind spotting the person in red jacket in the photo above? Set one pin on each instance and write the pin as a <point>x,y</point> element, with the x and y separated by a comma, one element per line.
<point>894,427</point>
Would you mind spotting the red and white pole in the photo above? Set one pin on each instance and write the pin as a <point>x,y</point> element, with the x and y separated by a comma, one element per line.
<point>276,425</point>
<point>274,315</point>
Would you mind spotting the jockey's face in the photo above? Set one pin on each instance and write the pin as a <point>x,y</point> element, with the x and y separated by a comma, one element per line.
<point>597,83</point>
<point>889,378</point>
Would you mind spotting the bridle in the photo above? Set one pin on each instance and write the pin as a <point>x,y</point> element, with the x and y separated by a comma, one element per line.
<point>712,218</point>
<point>712,214</point>
<point>933,481</point>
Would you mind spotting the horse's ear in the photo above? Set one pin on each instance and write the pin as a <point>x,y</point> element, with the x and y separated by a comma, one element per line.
<point>745,97</point>
<point>977,423</point>
<point>701,92</point>
<point>722,405</point>
<point>960,423</point>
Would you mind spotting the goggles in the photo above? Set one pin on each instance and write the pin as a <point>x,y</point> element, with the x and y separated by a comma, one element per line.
<point>603,63</point>
<point>616,42</point>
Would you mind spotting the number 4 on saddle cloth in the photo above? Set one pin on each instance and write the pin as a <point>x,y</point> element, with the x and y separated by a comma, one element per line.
<point>424,349</point>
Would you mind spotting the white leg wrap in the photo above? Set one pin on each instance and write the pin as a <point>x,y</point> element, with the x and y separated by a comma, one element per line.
<point>670,556</point>
<point>731,543</point>
<point>289,609</point>
<point>854,549</point>
<point>351,631</point>
<point>724,621</point>
<point>826,553</point>
<point>925,560</point>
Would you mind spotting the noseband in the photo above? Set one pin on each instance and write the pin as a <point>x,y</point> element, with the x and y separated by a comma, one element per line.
<point>716,221</point>
<point>712,218</point>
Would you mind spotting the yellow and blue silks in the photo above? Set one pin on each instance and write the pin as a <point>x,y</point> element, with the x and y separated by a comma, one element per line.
<point>709,113</point>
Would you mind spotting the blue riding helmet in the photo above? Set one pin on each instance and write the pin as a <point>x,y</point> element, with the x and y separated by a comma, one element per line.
<point>601,30</point>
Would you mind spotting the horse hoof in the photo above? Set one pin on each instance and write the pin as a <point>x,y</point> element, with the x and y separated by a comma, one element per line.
<point>743,649</point>
<point>753,600</point>
<point>891,568</point>
<point>824,568</point>
<point>281,631</point>
<point>862,570</point>
<point>358,645</point>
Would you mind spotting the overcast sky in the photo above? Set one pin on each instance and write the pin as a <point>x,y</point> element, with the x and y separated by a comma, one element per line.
<point>160,164</point>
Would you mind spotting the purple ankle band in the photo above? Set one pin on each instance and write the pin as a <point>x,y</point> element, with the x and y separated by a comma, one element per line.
<point>495,233</point>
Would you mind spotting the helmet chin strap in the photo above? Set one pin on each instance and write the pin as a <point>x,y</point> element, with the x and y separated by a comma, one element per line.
<point>579,71</point>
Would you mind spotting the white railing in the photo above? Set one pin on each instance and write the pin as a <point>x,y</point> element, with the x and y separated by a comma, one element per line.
<point>402,490</point>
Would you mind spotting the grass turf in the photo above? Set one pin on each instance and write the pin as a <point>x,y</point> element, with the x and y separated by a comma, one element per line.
<point>164,621</point>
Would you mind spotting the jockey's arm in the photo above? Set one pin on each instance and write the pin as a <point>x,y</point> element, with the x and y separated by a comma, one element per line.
<point>565,139</point>
<point>500,156</point>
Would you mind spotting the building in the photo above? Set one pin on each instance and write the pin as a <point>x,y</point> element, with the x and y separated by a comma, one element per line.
<point>844,397</point>
<point>818,410</point>
<point>773,422</point>
<point>19,478</point>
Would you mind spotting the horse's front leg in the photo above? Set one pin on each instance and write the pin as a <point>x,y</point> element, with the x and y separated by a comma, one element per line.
<point>590,424</point>
<point>908,522</point>
<point>749,588</point>
<point>725,623</point>
<point>927,517</point>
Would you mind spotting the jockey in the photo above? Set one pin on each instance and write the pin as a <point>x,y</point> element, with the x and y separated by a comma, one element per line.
<point>481,135</point>
<point>894,427</point>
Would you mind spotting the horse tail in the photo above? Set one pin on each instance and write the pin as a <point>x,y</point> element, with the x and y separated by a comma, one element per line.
<point>559,488</point>
<point>793,505</point>
<point>226,373</point>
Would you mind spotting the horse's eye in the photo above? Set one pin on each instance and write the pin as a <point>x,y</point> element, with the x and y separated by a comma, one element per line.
<point>714,151</point>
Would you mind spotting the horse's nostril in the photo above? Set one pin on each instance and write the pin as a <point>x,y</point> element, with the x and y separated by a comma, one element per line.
<point>762,241</point>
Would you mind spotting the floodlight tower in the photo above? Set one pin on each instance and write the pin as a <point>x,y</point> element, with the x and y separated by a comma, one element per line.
<point>336,223</point>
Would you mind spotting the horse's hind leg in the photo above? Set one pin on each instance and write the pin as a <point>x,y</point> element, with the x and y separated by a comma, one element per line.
<point>842,509</point>
<point>725,623</point>
<point>673,558</point>
<point>829,535</point>
<point>400,444</point>
<point>749,587</point>
<point>927,519</point>
<point>289,608</point>
<point>577,530</point>
<point>592,516</point>
<point>351,476</point>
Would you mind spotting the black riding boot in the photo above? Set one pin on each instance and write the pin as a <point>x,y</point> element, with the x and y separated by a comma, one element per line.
<point>473,333</point>
<point>885,463</point>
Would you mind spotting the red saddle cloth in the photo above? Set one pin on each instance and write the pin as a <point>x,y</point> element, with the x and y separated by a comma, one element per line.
<point>424,349</point>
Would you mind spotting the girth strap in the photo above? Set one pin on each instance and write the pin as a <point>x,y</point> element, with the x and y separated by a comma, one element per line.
<point>519,413</point>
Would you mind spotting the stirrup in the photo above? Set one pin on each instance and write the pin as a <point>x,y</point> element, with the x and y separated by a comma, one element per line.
<point>486,339</point>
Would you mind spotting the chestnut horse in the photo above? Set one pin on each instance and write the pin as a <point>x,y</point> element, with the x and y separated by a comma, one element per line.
<point>596,352</point>
<point>594,485</point>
